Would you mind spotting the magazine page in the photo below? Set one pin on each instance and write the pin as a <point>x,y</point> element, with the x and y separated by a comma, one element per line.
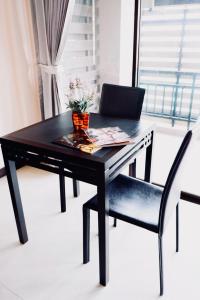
<point>79,140</point>
<point>109,136</point>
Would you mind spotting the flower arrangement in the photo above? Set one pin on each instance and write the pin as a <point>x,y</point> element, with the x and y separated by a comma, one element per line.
<point>80,98</point>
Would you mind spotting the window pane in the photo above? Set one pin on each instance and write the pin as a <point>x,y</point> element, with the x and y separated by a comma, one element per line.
<point>169,64</point>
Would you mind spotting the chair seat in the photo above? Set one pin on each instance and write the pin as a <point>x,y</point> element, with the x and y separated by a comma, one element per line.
<point>132,200</point>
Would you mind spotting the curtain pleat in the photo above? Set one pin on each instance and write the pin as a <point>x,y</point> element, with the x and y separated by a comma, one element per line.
<point>51,19</point>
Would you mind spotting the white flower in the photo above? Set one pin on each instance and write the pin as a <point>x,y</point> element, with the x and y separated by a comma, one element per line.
<point>78,83</point>
<point>79,96</point>
<point>72,85</point>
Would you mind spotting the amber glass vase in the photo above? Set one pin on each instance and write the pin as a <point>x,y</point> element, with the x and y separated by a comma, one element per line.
<point>80,120</point>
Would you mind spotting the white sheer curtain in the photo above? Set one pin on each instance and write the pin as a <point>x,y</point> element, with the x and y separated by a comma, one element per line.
<point>19,96</point>
<point>51,22</point>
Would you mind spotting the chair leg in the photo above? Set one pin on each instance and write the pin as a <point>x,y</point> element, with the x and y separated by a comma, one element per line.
<point>62,193</point>
<point>76,188</point>
<point>115,222</point>
<point>177,227</point>
<point>160,264</point>
<point>86,235</point>
<point>132,169</point>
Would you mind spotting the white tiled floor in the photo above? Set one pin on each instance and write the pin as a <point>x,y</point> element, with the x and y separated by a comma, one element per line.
<point>49,266</point>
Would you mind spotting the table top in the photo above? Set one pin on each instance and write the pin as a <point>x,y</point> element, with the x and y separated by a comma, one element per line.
<point>41,136</point>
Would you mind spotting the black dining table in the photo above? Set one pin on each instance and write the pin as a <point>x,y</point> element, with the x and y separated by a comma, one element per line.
<point>34,146</point>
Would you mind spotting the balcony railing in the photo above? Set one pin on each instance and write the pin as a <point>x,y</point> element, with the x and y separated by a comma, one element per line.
<point>173,101</point>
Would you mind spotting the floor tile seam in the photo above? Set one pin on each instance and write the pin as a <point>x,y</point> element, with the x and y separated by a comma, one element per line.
<point>11,291</point>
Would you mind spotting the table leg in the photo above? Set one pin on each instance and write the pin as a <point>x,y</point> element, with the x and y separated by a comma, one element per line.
<point>147,175</point>
<point>132,169</point>
<point>76,191</point>
<point>62,193</point>
<point>76,188</point>
<point>103,223</point>
<point>16,198</point>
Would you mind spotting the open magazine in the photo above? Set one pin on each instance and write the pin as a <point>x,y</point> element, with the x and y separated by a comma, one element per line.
<point>93,139</point>
<point>109,136</point>
<point>79,140</point>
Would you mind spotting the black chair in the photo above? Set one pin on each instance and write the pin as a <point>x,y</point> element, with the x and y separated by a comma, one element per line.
<point>122,102</point>
<point>142,204</point>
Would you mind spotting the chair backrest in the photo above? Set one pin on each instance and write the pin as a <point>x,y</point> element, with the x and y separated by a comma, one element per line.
<point>121,101</point>
<point>172,189</point>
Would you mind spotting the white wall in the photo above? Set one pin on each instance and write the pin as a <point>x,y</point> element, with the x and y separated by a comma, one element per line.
<point>114,32</point>
<point>126,42</point>
<point>19,98</point>
<point>108,35</point>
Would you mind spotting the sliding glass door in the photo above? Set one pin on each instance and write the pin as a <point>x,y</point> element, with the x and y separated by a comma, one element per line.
<point>169,59</point>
